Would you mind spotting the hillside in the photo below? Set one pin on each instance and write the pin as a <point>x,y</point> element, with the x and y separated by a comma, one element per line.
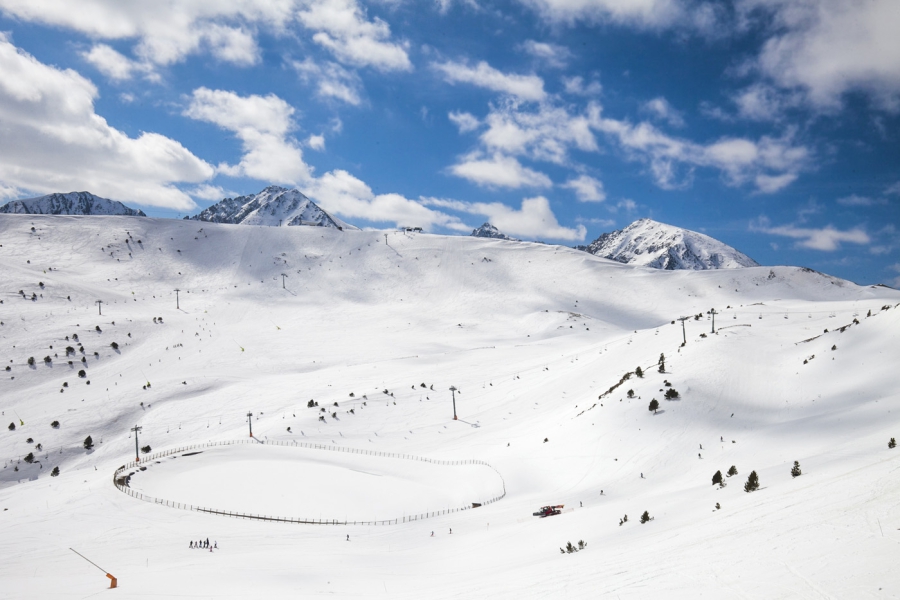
<point>532,336</point>
<point>652,244</point>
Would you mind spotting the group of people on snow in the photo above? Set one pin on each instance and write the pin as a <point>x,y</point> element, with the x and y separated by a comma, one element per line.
<point>204,544</point>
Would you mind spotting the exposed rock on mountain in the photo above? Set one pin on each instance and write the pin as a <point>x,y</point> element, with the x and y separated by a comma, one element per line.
<point>274,206</point>
<point>73,203</point>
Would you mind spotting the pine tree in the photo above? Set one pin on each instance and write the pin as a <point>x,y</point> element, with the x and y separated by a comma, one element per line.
<point>892,443</point>
<point>662,363</point>
<point>671,394</point>
<point>717,478</point>
<point>639,372</point>
<point>30,458</point>
<point>645,517</point>
<point>54,472</point>
<point>630,394</point>
<point>654,404</point>
<point>88,443</point>
<point>795,471</point>
<point>12,426</point>
<point>732,471</point>
<point>752,482</point>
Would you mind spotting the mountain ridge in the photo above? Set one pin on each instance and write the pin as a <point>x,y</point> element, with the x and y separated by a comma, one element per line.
<point>274,206</point>
<point>71,203</point>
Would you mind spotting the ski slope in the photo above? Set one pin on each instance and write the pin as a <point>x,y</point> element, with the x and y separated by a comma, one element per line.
<point>531,335</point>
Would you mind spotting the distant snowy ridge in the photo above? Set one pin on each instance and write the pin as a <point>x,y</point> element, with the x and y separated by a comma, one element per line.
<point>652,244</point>
<point>274,206</point>
<point>73,203</point>
<point>489,231</point>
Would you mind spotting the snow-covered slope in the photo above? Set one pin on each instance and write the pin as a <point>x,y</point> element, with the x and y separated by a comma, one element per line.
<point>274,206</point>
<point>489,231</point>
<point>652,244</point>
<point>533,337</point>
<point>73,203</point>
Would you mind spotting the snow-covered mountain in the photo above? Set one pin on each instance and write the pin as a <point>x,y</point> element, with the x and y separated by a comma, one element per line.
<point>652,244</point>
<point>274,206</point>
<point>73,203</point>
<point>489,231</point>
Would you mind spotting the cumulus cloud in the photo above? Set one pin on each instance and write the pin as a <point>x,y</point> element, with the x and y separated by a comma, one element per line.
<point>827,239</point>
<point>331,80</point>
<point>263,124</point>
<point>466,122</point>
<point>210,192</point>
<point>316,142</point>
<point>524,87</point>
<point>534,219</point>
<point>577,87</point>
<point>52,140</point>
<point>826,48</point>
<point>552,55</point>
<point>586,188</point>
<point>498,171</point>
<point>341,27</point>
<point>661,109</point>
<point>115,65</point>
<point>645,14</point>
<point>166,30</point>
<point>347,196</point>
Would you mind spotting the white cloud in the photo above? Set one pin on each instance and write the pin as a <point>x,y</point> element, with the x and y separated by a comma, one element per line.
<point>166,31</point>
<point>553,55</point>
<point>524,87</point>
<point>854,200</point>
<point>576,87</point>
<point>827,239</point>
<point>262,123</point>
<point>829,47</point>
<point>660,108</point>
<point>114,64</point>
<point>770,163</point>
<point>893,189</point>
<point>210,192</point>
<point>342,28</point>
<point>316,142</point>
<point>535,218</point>
<point>586,188</point>
<point>466,122</point>
<point>343,194</point>
<point>52,140</point>
<point>760,102</point>
<point>331,80</point>
<point>647,14</point>
<point>543,133</point>
<point>498,171</point>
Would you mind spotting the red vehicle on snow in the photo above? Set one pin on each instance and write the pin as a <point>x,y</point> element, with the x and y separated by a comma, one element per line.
<point>548,511</point>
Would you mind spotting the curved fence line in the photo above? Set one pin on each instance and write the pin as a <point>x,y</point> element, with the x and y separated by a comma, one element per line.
<point>120,480</point>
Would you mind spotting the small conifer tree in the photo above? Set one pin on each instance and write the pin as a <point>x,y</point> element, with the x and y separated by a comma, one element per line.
<point>630,394</point>
<point>662,363</point>
<point>54,472</point>
<point>30,458</point>
<point>654,404</point>
<point>892,443</point>
<point>645,517</point>
<point>88,443</point>
<point>145,449</point>
<point>12,426</point>
<point>55,424</point>
<point>639,372</point>
<point>671,394</point>
<point>752,482</point>
<point>717,478</point>
<point>732,471</point>
<point>795,471</point>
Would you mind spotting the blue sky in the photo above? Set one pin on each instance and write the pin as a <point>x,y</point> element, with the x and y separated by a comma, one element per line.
<point>771,125</point>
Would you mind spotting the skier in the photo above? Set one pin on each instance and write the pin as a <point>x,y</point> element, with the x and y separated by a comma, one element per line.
<point>721,439</point>
<point>701,446</point>
<point>192,544</point>
<point>642,476</point>
<point>348,537</point>
<point>216,545</point>
<point>698,455</point>
<point>207,542</point>
<point>580,504</point>
<point>451,530</point>
<point>432,534</point>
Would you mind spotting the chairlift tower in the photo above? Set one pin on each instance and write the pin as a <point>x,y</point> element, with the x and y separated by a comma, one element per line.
<point>683,333</point>
<point>453,392</point>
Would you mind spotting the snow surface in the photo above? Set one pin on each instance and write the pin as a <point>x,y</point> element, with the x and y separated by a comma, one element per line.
<point>652,244</point>
<point>73,203</point>
<point>274,206</point>
<point>531,335</point>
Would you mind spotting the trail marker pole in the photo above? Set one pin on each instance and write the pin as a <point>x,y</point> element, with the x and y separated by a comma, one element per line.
<point>683,334</point>
<point>137,456</point>
<point>283,275</point>
<point>177,305</point>
<point>453,391</point>
<point>250,421</point>
<point>113,582</point>
<point>99,304</point>
<point>713,313</point>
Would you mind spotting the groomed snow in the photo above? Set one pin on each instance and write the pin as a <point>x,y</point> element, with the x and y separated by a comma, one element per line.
<point>303,483</point>
<point>531,335</point>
